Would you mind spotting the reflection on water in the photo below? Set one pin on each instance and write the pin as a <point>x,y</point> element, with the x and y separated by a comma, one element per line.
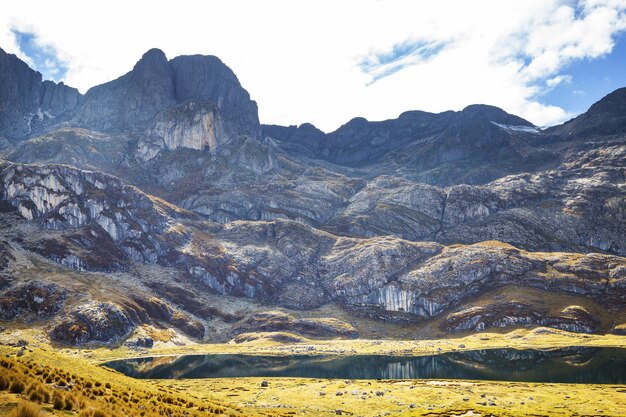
<point>577,364</point>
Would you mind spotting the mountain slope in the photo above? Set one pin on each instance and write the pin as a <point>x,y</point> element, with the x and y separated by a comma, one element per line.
<point>164,182</point>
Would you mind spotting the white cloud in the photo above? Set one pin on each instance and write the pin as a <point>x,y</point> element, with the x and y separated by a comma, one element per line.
<point>559,79</point>
<point>300,60</point>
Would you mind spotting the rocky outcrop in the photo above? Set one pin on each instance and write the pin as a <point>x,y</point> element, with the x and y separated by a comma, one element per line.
<point>94,323</point>
<point>192,125</point>
<point>276,321</point>
<point>305,139</point>
<point>62,197</point>
<point>161,312</point>
<point>131,101</point>
<point>34,300</point>
<point>574,208</point>
<point>572,319</point>
<point>606,117</point>
<point>28,106</point>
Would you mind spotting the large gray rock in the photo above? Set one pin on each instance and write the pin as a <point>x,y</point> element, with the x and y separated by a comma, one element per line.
<point>93,323</point>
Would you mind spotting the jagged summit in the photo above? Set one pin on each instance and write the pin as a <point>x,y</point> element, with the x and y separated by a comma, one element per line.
<point>134,103</point>
<point>135,100</point>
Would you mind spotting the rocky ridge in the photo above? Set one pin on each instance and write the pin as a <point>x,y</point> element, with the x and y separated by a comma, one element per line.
<point>406,220</point>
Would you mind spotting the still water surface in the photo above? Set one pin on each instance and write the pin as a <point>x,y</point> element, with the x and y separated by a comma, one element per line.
<point>577,364</point>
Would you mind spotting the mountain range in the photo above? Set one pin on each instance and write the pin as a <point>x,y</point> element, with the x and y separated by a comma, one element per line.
<point>159,201</point>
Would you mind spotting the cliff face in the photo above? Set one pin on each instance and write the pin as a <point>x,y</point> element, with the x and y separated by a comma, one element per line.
<point>29,106</point>
<point>193,102</point>
<point>131,101</point>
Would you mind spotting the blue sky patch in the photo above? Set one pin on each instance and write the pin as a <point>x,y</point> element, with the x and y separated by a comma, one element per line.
<point>44,58</point>
<point>591,79</point>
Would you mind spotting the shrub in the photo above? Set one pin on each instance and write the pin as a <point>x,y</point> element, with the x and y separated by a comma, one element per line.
<point>17,387</point>
<point>58,403</point>
<point>26,410</point>
<point>69,403</point>
<point>35,397</point>
<point>4,383</point>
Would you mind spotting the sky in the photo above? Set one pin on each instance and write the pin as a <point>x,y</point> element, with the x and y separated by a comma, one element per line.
<point>328,61</point>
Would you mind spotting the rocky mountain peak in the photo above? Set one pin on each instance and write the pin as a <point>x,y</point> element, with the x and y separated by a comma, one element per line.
<point>154,55</point>
<point>192,102</point>
<point>153,65</point>
<point>605,117</point>
<point>29,105</point>
<point>612,104</point>
<point>493,114</point>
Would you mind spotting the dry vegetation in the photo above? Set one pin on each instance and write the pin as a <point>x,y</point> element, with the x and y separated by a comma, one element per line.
<point>32,386</point>
<point>69,383</point>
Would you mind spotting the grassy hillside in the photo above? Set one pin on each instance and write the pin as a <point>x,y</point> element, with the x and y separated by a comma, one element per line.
<point>47,381</point>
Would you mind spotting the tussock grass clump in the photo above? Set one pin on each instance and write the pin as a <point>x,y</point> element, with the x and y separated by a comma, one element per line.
<point>26,409</point>
<point>4,383</point>
<point>93,412</point>
<point>58,402</point>
<point>17,387</point>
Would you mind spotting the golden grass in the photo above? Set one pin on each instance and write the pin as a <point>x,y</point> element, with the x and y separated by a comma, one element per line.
<point>99,392</point>
<point>26,409</point>
<point>411,398</point>
<point>93,391</point>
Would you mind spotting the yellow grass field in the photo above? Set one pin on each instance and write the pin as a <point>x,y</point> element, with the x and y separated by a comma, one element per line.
<point>74,375</point>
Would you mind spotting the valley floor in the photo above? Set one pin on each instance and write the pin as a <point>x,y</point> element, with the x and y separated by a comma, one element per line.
<point>299,396</point>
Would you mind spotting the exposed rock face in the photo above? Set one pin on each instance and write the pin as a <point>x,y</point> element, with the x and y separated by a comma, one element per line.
<point>132,100</point>
<point>191,125</point>
<point>573,318</point>
<point>473,146</point>
<point>93,323</point>
<point>28,105</point>
<point>295,265</point>
<point>606,117</point>
<point>34,300</point>
<point>305,139</point>
<point>206,78</point>
<point>193,102</point>
<point>64,197</point>
<point>275,321</point>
